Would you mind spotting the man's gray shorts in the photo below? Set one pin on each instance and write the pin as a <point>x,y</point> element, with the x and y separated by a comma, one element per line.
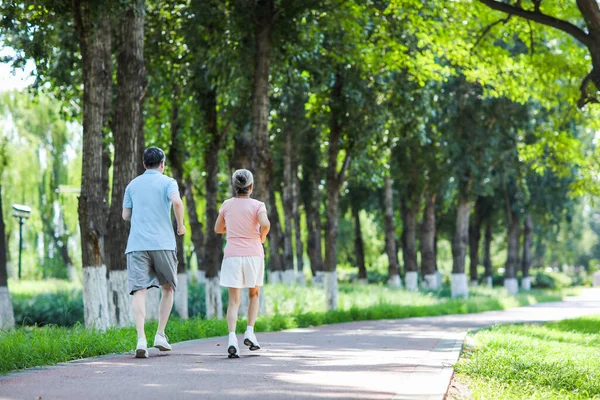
<point>146,269</point>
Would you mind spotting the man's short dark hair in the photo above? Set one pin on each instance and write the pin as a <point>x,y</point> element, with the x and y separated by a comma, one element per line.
<point>153,156</point>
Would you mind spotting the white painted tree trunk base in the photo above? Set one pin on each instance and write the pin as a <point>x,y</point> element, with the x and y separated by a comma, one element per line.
<point>363,282</point>
<point>459,286</point>
<point>119,299</point>
<point>95,299</point>
<point>152,303</point>
<point>288,277</point>
<point>488,281</point>
<point>181,296</point>
<point>275,277</point>
<point>394,281</point>
<point>331,290</point>
<point>214,303</point>
<point>72,274</point>
<point>526,284</point>
<point>473,283</point>
<point>511,285</point>
<point>10,270</point>
<point>7,315</point>
<point>300,278</point>
<point>200,277</point>
<point>412,281</point>
<point>431,282</point>
<point>318,279</point>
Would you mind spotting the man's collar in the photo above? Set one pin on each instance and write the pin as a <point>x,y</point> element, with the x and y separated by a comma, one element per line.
<point>152,171</point>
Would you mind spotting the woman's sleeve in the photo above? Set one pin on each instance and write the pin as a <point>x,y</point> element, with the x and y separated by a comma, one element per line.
<point>222,209</point>
<point>261,208</point>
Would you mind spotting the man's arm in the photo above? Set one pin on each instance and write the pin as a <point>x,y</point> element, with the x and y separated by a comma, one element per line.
<point>220,224</point>
<point>265,225</point>
<point>178,207</point>
<point>126,214</point>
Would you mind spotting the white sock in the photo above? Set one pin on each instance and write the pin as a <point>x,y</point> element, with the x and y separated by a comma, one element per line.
<point>250,329</point>
<point>232,335</point>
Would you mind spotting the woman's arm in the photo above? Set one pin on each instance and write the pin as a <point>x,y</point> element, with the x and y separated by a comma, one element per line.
<point>220,224</point>
<point>265,225</point>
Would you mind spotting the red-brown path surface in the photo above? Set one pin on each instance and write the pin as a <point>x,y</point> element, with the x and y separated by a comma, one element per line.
<point>395,359</point>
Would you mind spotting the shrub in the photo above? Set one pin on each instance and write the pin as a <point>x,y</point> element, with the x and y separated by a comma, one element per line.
<point>551,280</point>
<point>63,308</point>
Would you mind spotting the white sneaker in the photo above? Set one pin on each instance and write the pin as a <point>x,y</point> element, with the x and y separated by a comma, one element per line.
<point>141,351</point>
<point>251,341</point>
<point>162,342</point>
<point>233,349</point>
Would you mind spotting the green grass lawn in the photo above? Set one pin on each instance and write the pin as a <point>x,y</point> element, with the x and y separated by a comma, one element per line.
<point>558,360</point>
<point>291,307</point>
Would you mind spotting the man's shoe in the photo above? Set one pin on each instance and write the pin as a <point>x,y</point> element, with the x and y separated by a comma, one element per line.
<point>141,351</point>
<point>233,349</point>
<point>250,341</point>
<point>162,342</point>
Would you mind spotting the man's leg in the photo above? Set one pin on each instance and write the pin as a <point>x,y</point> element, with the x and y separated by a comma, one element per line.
<point>138,306</point>
<point>164,310</point>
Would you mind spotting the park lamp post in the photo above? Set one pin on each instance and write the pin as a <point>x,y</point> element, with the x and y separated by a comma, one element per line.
<point>22,213</point>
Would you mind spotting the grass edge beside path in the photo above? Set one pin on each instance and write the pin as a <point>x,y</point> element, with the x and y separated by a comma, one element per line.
<point>27,347</point>
<point>554,360</point>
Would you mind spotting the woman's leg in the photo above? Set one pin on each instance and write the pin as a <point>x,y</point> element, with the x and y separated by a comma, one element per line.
<point>235,298</point>
<point>253,305</point>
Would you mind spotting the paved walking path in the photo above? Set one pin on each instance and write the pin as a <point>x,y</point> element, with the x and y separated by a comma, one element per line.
<point>394,359</point>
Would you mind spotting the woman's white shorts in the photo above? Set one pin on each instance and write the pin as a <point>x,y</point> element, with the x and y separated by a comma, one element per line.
<point>242,272</point>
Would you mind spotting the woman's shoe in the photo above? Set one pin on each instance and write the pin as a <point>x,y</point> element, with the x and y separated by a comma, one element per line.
<point>251,341</point>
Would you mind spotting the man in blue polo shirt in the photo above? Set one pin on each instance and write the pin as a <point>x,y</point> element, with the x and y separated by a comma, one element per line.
<point>151,250</point>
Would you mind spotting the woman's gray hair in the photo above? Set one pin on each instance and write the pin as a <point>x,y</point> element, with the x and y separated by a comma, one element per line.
<point>241,181</point>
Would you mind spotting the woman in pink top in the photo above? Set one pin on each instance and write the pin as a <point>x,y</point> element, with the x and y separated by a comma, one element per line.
<point>246,224</point>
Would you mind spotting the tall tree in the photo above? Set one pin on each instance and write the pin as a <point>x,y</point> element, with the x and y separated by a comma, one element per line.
<point>128,118</point>
<point>92,23</point>
<point>176,157</point>
<point>263,16</point>
<point>7,316</point>
<point>390,235</point>
<point>527,258</point>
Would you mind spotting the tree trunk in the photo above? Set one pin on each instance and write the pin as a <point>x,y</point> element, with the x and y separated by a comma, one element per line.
<point>288,210</point>
<point>197,229</point>
<point>94,45</point>
<point>214,308</point>
<point>527,253</point>
<point>176,155</point>
<point>297,228</point>
<point>260,160</point>
<point>312,202</point>
<point>7,316</point>
<point>487,253</point>
<point>359,247</point>
<point>275,264</point>
<point>335,179</point>
<point>128,116</point>
<point>510,274</point>
<point>430,281</point>
<point>459,248</point>
<point>474,238</point>
<point>390,236</point>
<point>409,243</point>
